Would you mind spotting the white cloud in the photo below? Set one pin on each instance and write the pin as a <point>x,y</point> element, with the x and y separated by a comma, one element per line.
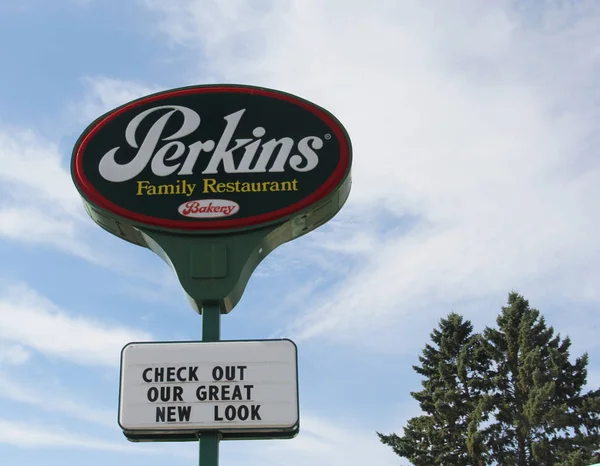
<point>476,121</point>
<point>13,354</point>
<point>104,94</point>
<point>34,225</point>
<point>34,435</point>
<point>320,442</point>
<point>24,435</point>
<point>52,331</point>
<point>593,380</point>
<point>35,166</point>
<point>63,403</point>
<point>38,202</point>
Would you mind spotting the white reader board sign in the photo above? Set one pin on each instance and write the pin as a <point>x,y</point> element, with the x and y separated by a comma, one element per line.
<point>189,387</point>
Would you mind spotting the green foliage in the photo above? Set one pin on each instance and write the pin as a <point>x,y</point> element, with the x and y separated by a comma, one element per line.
<point>508,396</point>
<point>452,368</point>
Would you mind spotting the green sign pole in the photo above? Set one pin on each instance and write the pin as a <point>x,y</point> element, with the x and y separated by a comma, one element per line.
<point>211,331</point>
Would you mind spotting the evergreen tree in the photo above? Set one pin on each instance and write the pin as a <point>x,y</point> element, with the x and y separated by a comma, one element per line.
<point>539,414</point>
<point>453,369</point>
<point>508,397</point>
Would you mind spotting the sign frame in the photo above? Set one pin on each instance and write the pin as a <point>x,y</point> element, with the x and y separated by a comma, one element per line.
<point>103,210</point>
<point>188,435</point>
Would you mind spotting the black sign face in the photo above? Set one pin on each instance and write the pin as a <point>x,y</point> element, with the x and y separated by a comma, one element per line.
<point>211,158</point>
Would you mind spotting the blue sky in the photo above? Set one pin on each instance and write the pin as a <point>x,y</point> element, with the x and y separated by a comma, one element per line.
<point>474,126</point>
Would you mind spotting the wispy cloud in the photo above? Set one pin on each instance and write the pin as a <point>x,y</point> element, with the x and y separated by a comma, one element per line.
<point>11,354</point>
<point>104,93</point>
<point>54,332</point>
<point>22,434</point>
<point>321,441</point>
<point>38,202</point>
<point>474,123</point>
<point>34,167</point>
<point>35,435</point>
<point>63,403</point>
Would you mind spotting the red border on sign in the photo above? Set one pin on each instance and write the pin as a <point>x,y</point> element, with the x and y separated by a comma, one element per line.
<point>94,196</point>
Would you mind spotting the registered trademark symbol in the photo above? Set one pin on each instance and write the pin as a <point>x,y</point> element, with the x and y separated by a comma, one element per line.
<point>328,136</point>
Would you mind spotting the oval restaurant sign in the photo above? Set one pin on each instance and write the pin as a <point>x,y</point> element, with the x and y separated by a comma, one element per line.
<point>206,158</point>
